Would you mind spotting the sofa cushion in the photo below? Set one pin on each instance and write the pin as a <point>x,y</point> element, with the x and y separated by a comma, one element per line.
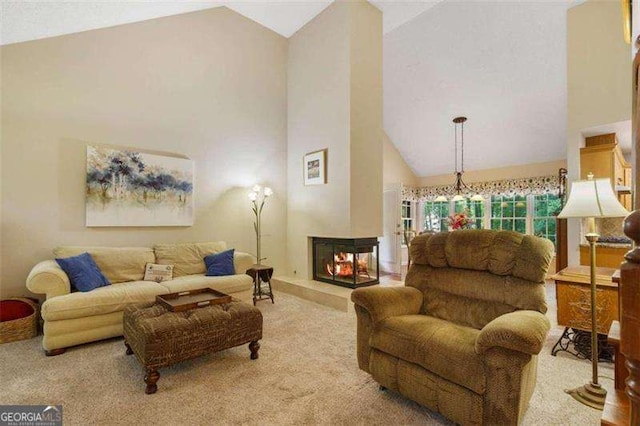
<point>83,272</point>
<point>228,284</point>
<point>220,264</point>
<point>187,258</point>
<point>103,300</point>
<point>439,346</point>
<point>157,273</point>
<point>118,264</point>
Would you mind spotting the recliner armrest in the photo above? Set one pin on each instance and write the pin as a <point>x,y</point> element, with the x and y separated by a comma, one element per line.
<point>47,277</point>
<point>385,302</point>
<point>522,331</point>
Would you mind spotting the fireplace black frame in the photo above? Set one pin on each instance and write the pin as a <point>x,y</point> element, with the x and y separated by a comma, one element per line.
<point>356,246</point>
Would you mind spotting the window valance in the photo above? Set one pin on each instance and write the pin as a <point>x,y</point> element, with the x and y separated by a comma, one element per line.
<point>523,186</point>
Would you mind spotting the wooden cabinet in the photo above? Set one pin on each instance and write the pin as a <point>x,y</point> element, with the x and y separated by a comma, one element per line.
<point>573,294</point>
<point>603,157</point>
<point>607,257</point>
<point>624,196</point>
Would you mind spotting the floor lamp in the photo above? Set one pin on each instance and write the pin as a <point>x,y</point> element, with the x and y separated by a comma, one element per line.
<point>258,197</point>
<point>590,199</point>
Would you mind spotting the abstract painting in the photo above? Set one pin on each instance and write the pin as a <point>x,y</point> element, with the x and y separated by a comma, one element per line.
<point>129,188</point>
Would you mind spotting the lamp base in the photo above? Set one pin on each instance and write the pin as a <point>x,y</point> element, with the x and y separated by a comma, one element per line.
<point>590,394</point>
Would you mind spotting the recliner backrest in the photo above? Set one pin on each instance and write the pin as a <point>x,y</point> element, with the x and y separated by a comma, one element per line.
<point>473,276</point>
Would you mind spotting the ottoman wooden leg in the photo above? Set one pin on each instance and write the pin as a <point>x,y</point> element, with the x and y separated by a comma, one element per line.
<point>151,379</point>
<point>54,352</point>
<point>129,351</point>
<point>254,347</point>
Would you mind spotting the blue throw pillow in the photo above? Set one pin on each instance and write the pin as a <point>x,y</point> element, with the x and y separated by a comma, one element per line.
<point>83,272</point>
<point>220,264</point>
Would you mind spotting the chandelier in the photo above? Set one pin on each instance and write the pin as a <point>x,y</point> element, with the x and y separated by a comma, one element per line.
<point>459,186</point>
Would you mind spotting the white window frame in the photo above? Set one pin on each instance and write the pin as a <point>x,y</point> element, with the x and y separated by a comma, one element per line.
<point>413,216</point>
<point>487,213</point>
<point>422,216</point>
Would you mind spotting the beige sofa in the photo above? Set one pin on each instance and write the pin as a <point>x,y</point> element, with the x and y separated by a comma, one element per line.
<point>462,337</point>
<point>72,318</point>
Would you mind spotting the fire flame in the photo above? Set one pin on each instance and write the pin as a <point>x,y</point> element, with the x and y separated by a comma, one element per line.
<point>344,265</point>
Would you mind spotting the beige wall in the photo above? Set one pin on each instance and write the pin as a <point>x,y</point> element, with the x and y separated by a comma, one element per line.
<point>513,172</point>
<point>599,83</point>
<point>210,85</point>
<point>335,102</point>
<point>395,169</point>
<point>366,120</point>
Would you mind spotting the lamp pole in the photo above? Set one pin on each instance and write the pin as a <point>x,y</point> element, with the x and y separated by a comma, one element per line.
<point>258,197</point>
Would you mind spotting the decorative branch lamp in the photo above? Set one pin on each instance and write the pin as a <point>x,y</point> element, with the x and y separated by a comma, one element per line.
<point>258,196</point>
<point>590,199</point>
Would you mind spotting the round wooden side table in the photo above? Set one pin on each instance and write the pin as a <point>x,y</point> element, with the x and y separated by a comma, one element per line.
<point>261,274</point>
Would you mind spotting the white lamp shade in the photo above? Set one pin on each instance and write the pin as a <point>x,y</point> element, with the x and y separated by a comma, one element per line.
<point>457,197</point>
<point>440,199</point>
<point>592,198</point>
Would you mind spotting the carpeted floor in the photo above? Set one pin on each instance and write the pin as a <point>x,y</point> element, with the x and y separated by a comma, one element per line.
<point>307,374</point>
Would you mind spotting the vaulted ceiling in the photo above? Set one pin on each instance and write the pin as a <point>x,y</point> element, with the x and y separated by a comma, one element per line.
<point>24,21</point>
<point>501,64</point>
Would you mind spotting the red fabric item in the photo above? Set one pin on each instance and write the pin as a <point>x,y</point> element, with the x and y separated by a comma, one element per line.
<point>14,309</point>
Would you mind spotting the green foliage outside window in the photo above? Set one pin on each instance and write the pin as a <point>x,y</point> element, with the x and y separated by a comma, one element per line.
<point>545,209</point>
<point>509,213</point>
<point>435,215</point>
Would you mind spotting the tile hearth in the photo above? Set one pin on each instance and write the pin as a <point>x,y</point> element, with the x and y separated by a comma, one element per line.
<point>325,294</point>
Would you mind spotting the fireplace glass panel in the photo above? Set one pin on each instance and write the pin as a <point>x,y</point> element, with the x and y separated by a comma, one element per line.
<point>346,262</point>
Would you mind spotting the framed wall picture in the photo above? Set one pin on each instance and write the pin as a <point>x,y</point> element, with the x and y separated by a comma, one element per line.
<point>130,188</point>
<point>315,168</point>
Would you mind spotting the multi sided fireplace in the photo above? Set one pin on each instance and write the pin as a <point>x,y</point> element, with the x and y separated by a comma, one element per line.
<point>348,262</point>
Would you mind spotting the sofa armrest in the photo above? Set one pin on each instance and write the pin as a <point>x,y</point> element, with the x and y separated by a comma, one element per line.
<point>521,331</point>
<point>385,302</point>
<point>242,262</point>
<point>48,278</point>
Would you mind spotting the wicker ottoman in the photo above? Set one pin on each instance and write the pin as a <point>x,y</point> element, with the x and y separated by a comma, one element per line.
<point>159,337</point>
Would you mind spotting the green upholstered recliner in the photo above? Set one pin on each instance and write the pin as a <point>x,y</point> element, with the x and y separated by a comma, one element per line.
<point>461,337</point>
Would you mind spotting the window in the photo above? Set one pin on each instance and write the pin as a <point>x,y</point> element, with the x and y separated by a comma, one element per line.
<point>435,215</point>
<point>527,214</point>
<point>407,216</point>
<point>545,209</point>
<point>509,213</point>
